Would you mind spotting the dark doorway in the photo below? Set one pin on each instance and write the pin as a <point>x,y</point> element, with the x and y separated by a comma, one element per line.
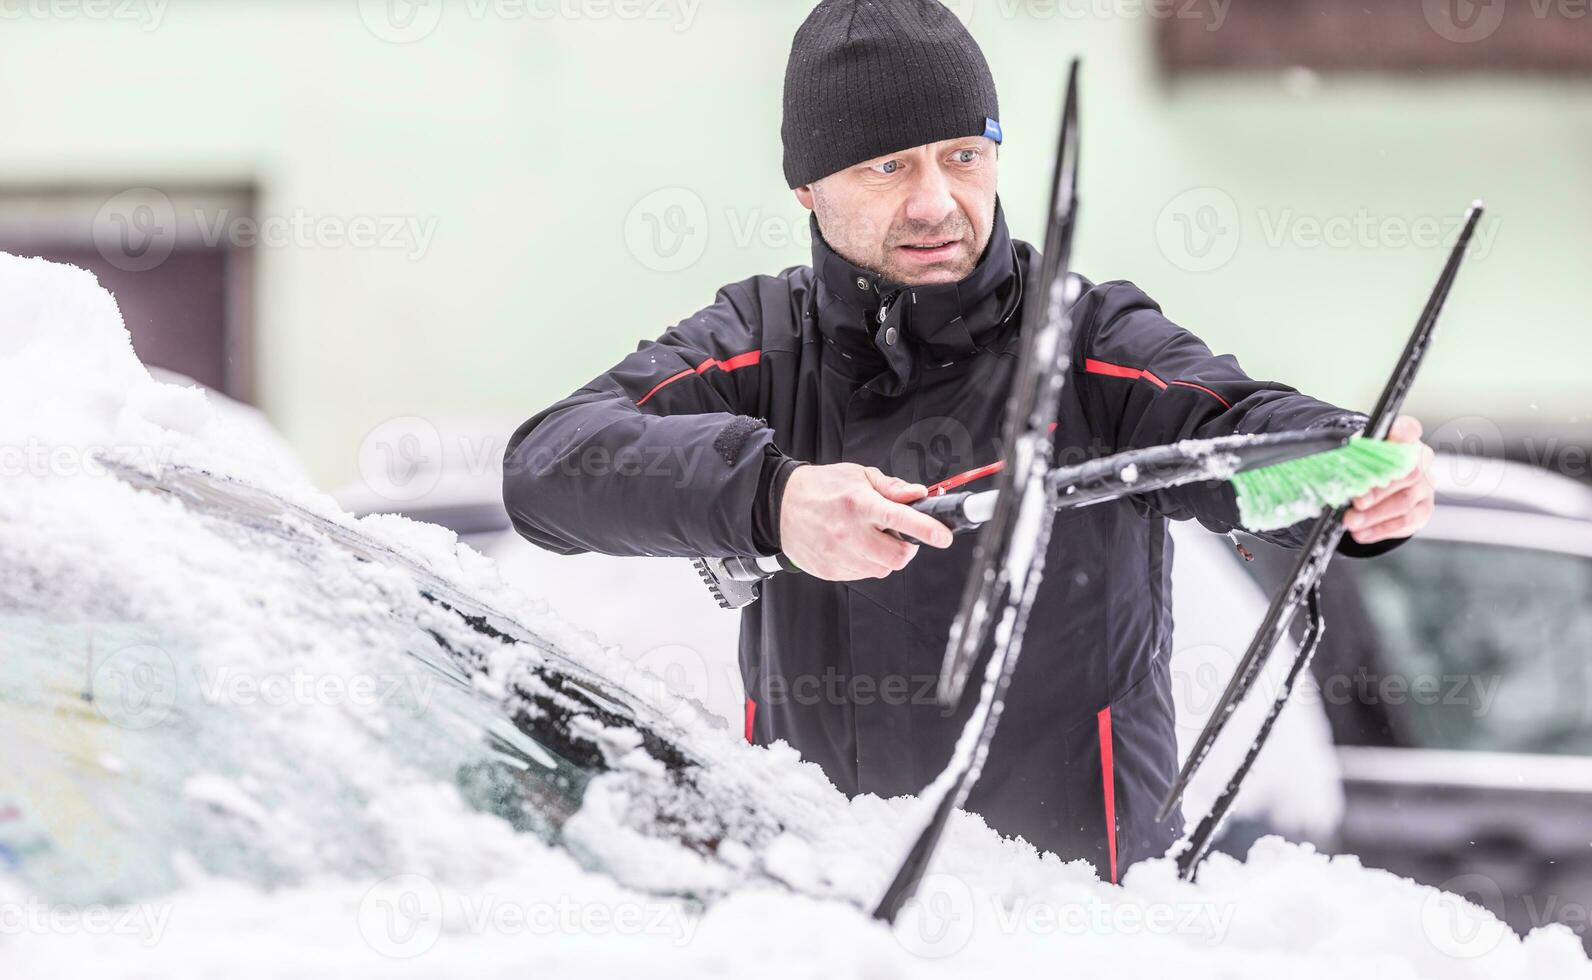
<point>187,301</point>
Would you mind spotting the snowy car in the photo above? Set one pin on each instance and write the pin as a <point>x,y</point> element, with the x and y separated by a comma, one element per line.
<point>248,734</point>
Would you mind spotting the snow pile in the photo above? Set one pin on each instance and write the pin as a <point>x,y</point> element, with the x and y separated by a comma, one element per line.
<point>73,388</point>
<point>330,835</point>
<point>50,310</point>
<point>992,908</point>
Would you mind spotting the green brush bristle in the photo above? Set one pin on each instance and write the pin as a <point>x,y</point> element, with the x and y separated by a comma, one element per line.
<point>1287,493</point>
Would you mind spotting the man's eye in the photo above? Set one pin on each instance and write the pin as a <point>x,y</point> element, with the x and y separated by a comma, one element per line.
<point>887,167</point>
<point>965,156</point>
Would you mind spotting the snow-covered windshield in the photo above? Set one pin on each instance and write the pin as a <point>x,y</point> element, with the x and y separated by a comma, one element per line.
<point>223,729</point>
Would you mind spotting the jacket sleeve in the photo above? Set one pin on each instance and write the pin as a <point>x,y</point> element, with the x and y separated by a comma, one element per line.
<point>661,455</point>
<point>1145,381</point>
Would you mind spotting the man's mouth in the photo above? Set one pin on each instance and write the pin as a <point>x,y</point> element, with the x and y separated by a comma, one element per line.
<point>932,251</point>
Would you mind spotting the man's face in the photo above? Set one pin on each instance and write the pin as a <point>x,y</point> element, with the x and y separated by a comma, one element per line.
<point>916,217</point>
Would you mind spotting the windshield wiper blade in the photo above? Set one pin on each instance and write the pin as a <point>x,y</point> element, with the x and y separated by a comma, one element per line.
<point>995,576</point>
<point>1302,582</point>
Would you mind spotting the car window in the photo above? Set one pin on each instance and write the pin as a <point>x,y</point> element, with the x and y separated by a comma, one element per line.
<point>132,756</point>
<point>1488,647</point>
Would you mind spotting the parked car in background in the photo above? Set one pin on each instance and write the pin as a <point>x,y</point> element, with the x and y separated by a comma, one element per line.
<point>1456,673</point>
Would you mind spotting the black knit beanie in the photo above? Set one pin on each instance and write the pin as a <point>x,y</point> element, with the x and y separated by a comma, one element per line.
<point>870,77</point>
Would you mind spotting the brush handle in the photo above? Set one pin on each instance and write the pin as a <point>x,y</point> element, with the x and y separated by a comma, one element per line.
<point>1140,471</point>
<point>957,511</point>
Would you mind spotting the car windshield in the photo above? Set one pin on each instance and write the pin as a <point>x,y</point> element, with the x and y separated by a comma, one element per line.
<point>157,733</point>
<point>1489,647</point>
<point>128,757</point>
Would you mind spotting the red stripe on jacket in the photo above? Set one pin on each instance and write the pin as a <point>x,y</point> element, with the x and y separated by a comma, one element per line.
<point>728,364</point>
<point>1108,779</point>
<point>1108,369</point>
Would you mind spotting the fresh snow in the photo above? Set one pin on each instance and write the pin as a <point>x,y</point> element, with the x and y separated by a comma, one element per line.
<point>412,881</point>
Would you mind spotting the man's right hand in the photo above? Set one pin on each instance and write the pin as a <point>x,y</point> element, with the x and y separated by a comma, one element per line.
<point>833,519</point>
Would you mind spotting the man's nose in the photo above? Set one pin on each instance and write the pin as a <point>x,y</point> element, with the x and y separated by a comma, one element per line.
<point>929,200</point>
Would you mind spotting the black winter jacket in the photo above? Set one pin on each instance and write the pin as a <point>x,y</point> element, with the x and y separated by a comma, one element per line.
<point>666,453</point>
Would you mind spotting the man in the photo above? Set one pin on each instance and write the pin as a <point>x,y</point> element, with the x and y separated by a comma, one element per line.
<point>803,412</point>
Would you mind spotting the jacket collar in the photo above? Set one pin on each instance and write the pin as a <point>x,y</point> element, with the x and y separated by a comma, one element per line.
<point>942,322</point>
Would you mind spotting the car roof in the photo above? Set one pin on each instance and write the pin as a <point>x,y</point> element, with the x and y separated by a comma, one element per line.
<point>1463,480</point>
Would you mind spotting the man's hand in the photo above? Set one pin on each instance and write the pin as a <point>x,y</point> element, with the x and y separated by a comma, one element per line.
<point>1402,507</point>
<point>832,522</point>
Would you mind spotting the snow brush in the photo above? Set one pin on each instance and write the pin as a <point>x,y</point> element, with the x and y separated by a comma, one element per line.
<point>1274,475</point>
<point>1286,493</point>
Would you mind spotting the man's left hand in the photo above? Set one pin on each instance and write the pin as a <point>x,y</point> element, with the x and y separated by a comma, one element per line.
<point>1402,507</point>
